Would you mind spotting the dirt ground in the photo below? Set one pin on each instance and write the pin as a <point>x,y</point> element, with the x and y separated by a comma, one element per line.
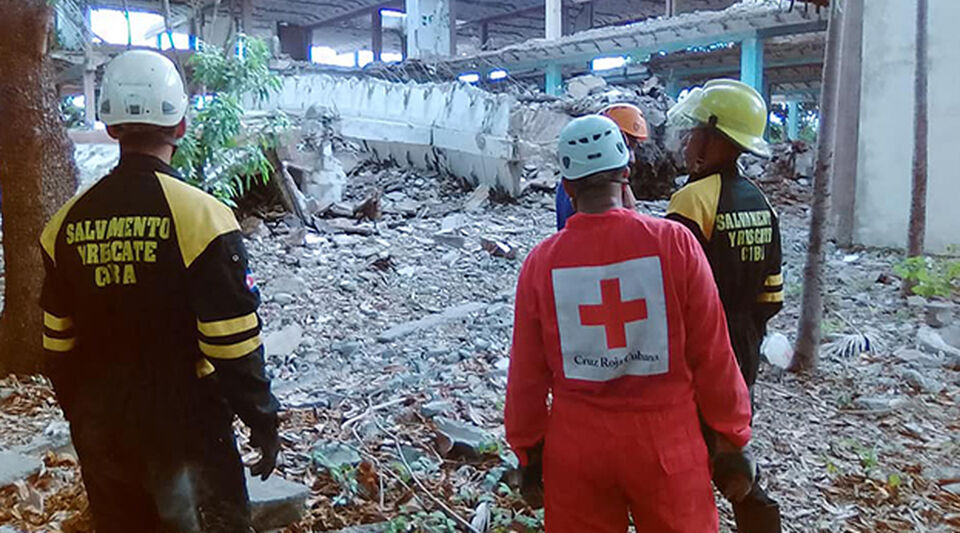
<point>868,442</point>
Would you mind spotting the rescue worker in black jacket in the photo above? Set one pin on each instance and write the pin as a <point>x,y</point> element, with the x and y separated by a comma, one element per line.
<point>151,328</point>
<point>740,233</point>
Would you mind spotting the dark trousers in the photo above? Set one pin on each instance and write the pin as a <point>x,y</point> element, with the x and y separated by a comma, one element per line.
<point>187,483</point>
<point>758,512</point>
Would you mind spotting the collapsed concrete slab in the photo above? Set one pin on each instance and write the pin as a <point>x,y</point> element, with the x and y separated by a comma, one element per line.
<point>452,127</point>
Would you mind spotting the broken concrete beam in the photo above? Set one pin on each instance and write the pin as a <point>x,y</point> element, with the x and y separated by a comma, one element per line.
<point>15,467</point>
<point>449,315</point>
<point>276,502</point>
<point>432,126</point>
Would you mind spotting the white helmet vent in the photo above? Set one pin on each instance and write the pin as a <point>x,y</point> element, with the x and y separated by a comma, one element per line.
<point>588,146</point>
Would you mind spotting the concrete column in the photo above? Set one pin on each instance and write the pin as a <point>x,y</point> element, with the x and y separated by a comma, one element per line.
<point>751,63</point>
<point>484,35</point>
<point>554,80</point>
<point>376,35</point>
<point>431,28</point>
<point>296,41</point>
<point>89,95</point>
<point>579,17</point>
<point>671,8</point>
<point>247,16</point>
<point>554,19</point>
<point>793,120</point>
<point>846,143</point>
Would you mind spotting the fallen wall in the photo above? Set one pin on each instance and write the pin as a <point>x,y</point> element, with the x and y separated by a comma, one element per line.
<point>886,125</point>
<point>451,127</point>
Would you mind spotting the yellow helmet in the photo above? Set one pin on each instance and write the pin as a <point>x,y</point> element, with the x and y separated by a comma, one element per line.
<point>733,107</point>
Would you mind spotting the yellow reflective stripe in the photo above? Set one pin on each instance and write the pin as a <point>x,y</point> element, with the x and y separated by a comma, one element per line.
<point>698,202</point>
<point>48,238</point>
<point>198,217</point>
<point>773,281</point>
<point>59,345</point>
<point>230,326</point>
<point>771,297</point>
<point>231,351</point>
<point>56,323</point>
<point>204,368</point>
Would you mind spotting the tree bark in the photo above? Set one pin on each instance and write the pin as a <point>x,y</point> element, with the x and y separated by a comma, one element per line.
<point>918,205</point>
<point>37,173</point>
<point>806,354</point>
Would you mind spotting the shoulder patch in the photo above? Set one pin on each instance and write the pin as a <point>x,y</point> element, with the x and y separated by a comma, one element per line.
<point>48,238</point>
<point>198,217</point>
<point>698,203</point>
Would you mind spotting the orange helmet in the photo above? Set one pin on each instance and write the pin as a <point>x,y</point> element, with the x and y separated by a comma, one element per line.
<point>629,118</point>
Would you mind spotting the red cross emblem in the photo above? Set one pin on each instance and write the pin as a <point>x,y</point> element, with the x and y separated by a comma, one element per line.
<point>613,313</point>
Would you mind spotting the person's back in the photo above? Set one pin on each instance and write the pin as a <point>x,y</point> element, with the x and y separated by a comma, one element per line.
<point>618,317</point>
<point>130,272</point>
<point>150,326</point>
<point>740,233</point>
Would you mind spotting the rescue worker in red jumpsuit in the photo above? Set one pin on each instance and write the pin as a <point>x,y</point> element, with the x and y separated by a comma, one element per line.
<point>619,340</point>
<point>739,232</point>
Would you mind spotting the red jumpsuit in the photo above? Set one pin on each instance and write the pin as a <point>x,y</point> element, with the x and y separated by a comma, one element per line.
<point>618,318</point>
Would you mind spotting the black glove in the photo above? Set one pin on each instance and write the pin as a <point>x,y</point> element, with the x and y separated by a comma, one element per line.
<point>531,477</point>
<point>269,445</point>
<point>734,473</point>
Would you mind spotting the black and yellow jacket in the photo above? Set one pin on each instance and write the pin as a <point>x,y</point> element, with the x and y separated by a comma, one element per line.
<point>740,233</point>
<point>149,304</point>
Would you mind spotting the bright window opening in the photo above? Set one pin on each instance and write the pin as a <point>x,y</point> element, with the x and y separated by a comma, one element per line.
<point>181,41</point>
<point>607,63</point>
<point>391,57</point>
<point>469,77</point>
<point>364,57</point>
<point>328,56</point>
<point>111,25</point>
<point>498,74</point>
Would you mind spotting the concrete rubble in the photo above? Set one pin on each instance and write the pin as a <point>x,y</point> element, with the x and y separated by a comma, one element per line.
<point>16,467</point>
<point>276,502</point>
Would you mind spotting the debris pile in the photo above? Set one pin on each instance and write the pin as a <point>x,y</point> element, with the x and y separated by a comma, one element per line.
<point>791,160</point>
<point>657,164</point>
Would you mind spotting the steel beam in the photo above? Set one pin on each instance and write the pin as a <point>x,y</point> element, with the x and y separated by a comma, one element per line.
<point>553,80</point>
<point>751,62</point>
<point>793,119</point>
<point>376,34</point>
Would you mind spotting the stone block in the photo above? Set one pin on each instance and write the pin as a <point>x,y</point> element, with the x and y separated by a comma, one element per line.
<point>276,502</point>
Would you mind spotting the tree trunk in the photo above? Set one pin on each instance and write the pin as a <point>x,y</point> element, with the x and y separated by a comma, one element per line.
<point>37,173</point>
<point>918,204</point>
<point>808,336</point>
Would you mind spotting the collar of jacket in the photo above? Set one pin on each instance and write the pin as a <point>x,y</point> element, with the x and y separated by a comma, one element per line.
<point>726,171</point>
<point>585,220</point>
<point>133,162</point>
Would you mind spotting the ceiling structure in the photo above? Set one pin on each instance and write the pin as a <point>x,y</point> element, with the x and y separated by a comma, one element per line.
<point>345,25</point>
<point>514,31</point>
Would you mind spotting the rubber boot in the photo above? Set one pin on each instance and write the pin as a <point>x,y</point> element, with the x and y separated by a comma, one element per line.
<point>757,513</point>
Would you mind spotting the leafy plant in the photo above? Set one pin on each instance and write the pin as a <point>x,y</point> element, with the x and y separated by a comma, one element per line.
<point>346,477</point>
<point>931,276</point>
<point>71,114</point>
<point>220,153</point>
<point>435,522</point>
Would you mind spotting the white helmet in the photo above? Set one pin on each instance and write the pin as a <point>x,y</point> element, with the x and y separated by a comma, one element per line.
<point>142,87</point>
<point>589,145</point>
